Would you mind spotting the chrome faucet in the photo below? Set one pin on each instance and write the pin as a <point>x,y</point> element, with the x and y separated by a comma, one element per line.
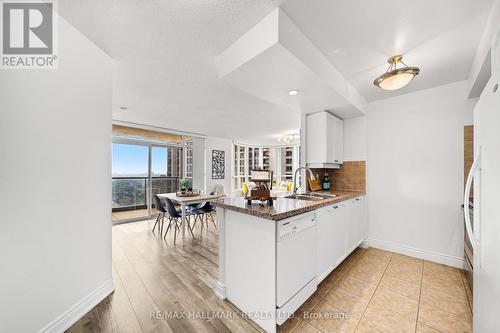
<point>296,174</point>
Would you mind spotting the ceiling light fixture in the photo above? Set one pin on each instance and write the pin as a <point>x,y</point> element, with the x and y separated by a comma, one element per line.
<point>288,139</point>
<point>395,78</point>
<point>293,92</point>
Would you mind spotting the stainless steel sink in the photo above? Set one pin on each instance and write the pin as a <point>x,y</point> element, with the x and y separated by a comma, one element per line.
<point>305,197</point>
<point>322,195</point>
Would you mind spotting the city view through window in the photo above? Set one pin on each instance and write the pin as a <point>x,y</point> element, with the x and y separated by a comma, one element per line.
<point>140,171</point>
<point>282,161</point>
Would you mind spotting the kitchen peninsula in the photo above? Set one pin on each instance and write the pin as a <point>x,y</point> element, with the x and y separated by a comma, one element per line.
<point>272,258</point>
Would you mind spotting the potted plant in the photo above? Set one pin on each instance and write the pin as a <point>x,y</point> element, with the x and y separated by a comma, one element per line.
<point>184,184</point>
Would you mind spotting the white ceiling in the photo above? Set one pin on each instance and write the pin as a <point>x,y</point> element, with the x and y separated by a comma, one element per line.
<point>165,71</point>
<point>165,52</point>
<point>357,36</point>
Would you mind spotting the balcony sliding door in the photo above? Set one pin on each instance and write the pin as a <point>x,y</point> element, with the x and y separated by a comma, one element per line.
<point>141,171</point>
<point>130,181</point>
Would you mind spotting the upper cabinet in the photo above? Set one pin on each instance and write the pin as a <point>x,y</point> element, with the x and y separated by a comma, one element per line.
<point>324,140</point>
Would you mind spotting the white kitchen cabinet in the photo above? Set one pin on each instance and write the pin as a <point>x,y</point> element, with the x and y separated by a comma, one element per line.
<point>340,229</point>
<point>345,211</point>
<point>324,140</point>
<point>356,218</point>
<point>327,248</point>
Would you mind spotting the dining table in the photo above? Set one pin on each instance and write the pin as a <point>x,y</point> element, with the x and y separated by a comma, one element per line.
<point>184,201</point>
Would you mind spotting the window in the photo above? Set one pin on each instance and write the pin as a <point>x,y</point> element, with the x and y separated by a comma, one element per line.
<point>165,171</point>
<point>239,166</point>
<point>287,163</point>
<point>142,169</point>
<point>189,162</point>
<point>129,180</point>
<point>283,161</point>
<point>188,158</point>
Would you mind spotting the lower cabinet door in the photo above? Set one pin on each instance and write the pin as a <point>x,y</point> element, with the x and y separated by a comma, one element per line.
<point>324,239</point>
<point>355,220</point>
<point>361,208</point>
<point>346,208</point>
<point>339,234</point>
<point>339,230</point>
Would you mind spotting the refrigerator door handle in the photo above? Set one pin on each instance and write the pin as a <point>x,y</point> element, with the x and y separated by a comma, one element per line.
<point>468,184</point>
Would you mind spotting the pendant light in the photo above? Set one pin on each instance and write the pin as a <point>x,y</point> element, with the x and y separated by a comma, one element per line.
<point>395,78</point>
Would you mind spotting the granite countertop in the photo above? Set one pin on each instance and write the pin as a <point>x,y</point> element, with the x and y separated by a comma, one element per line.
<point>284,207</point>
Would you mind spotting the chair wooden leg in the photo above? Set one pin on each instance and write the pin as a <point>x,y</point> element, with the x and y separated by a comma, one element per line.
<point>175,231</point>
<point>156,223</point>
<point>162,223</point>
<point>168,228</point>
<point>160,226</point>
<point>213,220</point>
<point>194,222</point>
<point>190,229</point>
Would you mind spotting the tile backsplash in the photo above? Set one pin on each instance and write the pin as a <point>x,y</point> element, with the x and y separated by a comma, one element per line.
<point>351,176</point>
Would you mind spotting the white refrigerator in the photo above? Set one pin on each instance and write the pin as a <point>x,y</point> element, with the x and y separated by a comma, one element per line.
<point>486,222</point>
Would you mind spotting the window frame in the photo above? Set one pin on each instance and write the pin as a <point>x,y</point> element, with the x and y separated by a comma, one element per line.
<point>238,176</point>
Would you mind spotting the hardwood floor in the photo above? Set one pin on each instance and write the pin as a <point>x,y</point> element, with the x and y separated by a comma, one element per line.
<point>160,287</point>
<point>131,214</point>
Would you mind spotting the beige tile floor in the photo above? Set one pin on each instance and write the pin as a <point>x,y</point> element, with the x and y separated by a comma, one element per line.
<point>382,292</point>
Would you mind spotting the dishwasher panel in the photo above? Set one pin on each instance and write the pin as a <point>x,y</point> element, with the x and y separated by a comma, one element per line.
<point>296,256</point>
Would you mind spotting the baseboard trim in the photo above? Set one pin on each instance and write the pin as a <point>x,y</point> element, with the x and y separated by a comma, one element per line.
<point>77,311</point>
<point>220,290</point>
<point>417,253</point>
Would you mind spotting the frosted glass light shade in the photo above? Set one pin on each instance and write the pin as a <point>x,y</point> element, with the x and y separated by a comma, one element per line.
<point>397,78</point>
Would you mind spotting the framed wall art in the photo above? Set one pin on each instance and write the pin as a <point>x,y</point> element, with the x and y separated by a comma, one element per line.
<point>218,164</point>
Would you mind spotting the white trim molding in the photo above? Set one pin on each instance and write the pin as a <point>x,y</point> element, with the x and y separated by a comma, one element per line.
<point>156,128</point>
<point>364,244</point>
<point>77,311</point>
<point>220,290</point>
<point>220,285</point>
<point>439,258</point>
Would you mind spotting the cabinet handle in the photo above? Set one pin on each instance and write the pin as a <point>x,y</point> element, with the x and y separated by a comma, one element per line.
<point>357,199</point>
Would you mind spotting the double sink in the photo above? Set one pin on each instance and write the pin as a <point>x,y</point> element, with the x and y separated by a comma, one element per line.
<point>311,196</point>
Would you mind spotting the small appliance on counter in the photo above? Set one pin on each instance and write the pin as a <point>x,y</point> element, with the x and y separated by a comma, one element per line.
<point>261,192</point>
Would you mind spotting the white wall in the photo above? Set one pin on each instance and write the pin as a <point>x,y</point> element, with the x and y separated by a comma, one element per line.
<point>355,139</point>
<point>202,163</point>
<point>218,144</point>
<point>55,188</point>
<point>415,172</point>
<point>199,181</point>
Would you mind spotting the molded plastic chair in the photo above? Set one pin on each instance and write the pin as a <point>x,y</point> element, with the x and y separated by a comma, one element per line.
<point>205,212</point>
<point>175,219</point>
<point>160,219</point>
